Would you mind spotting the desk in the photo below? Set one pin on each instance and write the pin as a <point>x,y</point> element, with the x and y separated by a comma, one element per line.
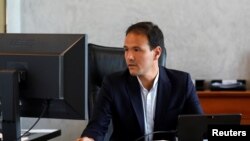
<point>40,134</point>
<point>226,102</point>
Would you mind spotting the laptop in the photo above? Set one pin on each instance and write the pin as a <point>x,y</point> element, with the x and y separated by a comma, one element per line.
<point>194,127</point>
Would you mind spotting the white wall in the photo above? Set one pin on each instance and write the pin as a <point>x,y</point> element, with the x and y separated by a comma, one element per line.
<point>13,16</point>
<point>209,39</point>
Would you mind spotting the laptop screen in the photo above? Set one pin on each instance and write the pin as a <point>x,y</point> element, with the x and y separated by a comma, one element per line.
<point>194,127</point>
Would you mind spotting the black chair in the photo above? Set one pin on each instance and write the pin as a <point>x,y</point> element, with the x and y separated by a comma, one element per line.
<point>105,60</point>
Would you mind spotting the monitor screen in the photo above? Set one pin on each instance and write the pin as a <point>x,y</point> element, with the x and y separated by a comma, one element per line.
<point>54,71</point>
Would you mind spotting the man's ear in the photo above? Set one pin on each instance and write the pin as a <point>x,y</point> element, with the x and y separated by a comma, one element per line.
<point>157,52</point>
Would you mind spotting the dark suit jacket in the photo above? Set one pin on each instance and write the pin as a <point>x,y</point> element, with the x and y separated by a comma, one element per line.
<point>120,100</point>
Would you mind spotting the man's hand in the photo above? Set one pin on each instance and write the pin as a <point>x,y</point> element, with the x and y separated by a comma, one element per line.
<point>85,139</point>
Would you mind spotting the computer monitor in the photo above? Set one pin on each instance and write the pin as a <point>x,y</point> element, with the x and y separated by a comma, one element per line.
<point>195,127</point>
<point>43,72</point>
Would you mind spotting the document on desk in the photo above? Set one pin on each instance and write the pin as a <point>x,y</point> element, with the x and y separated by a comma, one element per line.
<point>39,130</point>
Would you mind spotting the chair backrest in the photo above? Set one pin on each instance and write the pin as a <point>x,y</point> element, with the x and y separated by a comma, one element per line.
<point>103,61</point>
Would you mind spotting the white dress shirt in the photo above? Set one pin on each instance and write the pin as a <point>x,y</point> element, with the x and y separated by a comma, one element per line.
<point>149,103</point>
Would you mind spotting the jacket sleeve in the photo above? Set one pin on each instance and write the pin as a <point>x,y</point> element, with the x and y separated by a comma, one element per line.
<point>192,104</point>
<point>99,122</point>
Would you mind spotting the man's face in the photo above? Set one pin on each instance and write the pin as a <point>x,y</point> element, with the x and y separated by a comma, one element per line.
<point>139,58</point>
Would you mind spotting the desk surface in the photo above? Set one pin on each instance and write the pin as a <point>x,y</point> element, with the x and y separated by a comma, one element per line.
<point>224,93</point>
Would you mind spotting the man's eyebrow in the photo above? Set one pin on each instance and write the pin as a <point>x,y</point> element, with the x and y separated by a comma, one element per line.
<point>135,47</point>
<point>132,47</point>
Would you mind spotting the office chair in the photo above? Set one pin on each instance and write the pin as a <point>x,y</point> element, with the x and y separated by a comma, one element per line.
<point>105,60</point>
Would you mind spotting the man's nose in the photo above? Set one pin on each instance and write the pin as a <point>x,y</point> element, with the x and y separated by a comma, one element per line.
<point>129,55</point>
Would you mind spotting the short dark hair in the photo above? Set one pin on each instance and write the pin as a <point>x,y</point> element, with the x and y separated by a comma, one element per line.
<point>152,31</point>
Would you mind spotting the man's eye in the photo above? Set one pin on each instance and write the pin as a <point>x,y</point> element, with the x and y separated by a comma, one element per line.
<point>136,49</point>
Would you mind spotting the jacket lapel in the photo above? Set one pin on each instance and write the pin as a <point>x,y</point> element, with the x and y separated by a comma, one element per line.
<point>162,100</point>
<point>133,90</point>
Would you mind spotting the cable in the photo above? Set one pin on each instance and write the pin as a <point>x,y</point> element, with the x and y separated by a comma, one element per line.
<point>155,132</point>
<point>38,119</point>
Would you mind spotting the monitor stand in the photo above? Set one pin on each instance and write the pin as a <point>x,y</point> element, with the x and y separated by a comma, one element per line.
<point>9,91</point>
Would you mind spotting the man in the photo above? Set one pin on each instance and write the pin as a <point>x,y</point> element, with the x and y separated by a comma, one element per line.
<point>146,97</point>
